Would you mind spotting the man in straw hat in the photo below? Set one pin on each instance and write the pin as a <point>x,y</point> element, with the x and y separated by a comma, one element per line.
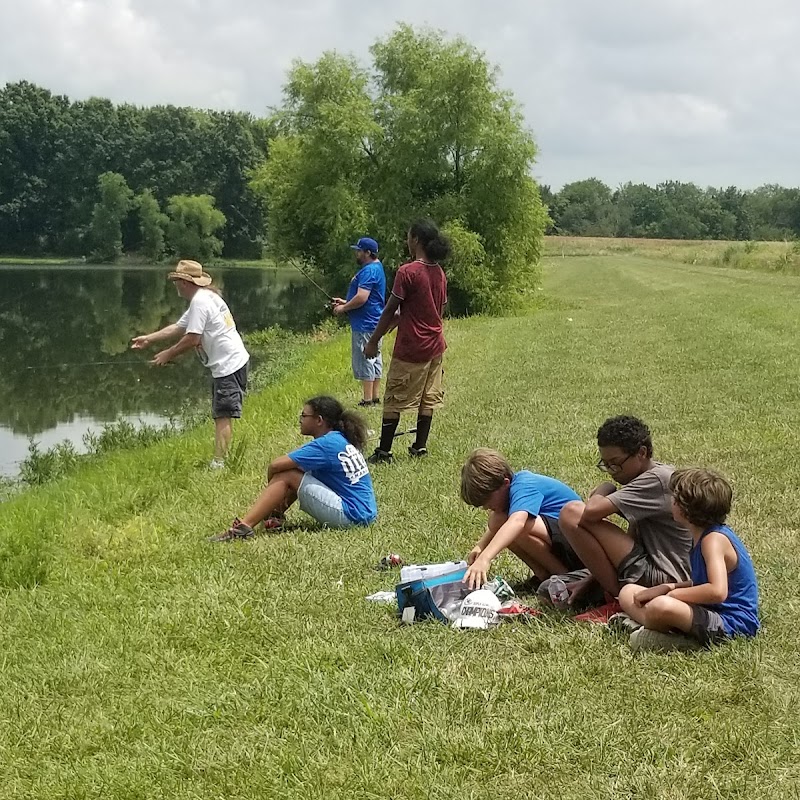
<point>208,327</point>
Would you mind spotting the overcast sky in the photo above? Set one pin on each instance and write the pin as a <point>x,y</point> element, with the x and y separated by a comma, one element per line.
<point>640,90</point>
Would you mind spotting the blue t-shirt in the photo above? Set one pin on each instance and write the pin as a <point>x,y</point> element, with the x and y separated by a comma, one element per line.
<point>342,467</point>
<point>539,495</point>
<point>739,610</point>
<point>370,276</point>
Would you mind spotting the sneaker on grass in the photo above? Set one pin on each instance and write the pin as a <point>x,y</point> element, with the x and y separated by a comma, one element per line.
<point>647,641</point>
<point>238,530</point>
<point>622,623</point>
<point>380,457</point>
<point>273,523</point>
<point>417,452</point>
<point>217,463</point>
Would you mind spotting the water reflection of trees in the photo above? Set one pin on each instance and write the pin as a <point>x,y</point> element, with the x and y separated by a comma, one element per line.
<point>54,324</point>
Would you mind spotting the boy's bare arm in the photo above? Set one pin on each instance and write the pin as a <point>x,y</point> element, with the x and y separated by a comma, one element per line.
<point>714,547</point>
<point>477,573</point>
<point>597,508</point>
<point>505,535</point>
<point>481,545</point>
<point>645,596</point>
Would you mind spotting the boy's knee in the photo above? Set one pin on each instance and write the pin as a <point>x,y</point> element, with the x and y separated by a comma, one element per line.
<point>627,596</point>
<point>659,609</point>
<point>627,593</point>
<point>570,516</point>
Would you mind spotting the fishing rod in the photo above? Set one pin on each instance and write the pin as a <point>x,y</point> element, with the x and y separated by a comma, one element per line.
<point>398,434</point>
<point>309,278</point>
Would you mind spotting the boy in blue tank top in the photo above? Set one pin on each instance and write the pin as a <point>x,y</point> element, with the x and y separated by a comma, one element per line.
<point>721,600</point>
<point>523,517</point>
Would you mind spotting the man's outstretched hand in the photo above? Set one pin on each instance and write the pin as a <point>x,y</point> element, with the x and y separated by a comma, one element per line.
<point>161,359</point>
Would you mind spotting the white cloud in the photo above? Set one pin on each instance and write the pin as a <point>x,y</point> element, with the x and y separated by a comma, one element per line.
<point>624,89</point>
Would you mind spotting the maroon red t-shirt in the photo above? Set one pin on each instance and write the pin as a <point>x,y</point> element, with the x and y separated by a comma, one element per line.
<point>422,290</point>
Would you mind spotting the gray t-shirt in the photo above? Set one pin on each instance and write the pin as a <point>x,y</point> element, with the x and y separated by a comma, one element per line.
<point>646,503</point>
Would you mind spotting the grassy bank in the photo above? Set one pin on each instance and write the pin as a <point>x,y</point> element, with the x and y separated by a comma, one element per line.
<point>151,664</point>
<point>38,261</point>
<point>781,257</point>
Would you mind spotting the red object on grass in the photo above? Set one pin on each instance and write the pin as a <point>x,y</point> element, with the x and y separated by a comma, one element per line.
<point>601,614</point>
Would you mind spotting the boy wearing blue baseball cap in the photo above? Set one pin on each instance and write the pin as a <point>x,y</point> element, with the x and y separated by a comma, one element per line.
<point>364,304</point>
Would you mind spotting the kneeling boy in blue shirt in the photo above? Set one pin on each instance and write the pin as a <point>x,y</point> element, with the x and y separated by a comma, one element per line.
<point>523,517</point>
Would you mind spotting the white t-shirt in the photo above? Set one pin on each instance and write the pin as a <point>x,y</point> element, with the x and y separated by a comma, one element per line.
<point>222,349</point>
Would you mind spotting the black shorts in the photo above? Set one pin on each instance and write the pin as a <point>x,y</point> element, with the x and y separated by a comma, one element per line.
<point>227,394</point>
<point>561,548</point>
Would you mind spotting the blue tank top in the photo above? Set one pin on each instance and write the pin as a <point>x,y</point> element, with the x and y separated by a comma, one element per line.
<point>739,611</point>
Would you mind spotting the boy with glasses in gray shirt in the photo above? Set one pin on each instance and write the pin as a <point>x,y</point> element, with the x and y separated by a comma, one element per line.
<point>653,550</point>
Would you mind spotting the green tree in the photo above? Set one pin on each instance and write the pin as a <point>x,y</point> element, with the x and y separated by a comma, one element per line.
<point>107,217</point>
<point>585,208</point>
<point>426,133</point>
<point>640,210</point>
<point>774,211</point>
<point>193,223</point>
<point>33,123</point>
<point>152,224</point>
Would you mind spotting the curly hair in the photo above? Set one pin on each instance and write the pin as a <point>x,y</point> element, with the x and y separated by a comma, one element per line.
<point>435,244</point>
<point>703,496</point>
<point>627,433</point>
<point>348,423</point>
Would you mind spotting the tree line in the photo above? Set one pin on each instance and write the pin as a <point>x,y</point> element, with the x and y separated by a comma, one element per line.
<point>356,148</point>
<point>91,177</point>
<point>359,146</point>
<point>673,210</point>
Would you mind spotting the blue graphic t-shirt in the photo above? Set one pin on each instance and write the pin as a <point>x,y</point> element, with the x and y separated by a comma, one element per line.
<point>537,494</point>
<point>372,277</point>
<point>739,610</point>
<point>343,469</point>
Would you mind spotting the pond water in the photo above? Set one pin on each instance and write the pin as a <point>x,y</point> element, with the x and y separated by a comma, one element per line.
<point>65,364</point>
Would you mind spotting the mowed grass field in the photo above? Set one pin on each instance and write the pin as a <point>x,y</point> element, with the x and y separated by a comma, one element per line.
<point>151,664</point>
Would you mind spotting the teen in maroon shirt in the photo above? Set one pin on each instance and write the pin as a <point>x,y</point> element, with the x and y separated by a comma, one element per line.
<point>415,374</point>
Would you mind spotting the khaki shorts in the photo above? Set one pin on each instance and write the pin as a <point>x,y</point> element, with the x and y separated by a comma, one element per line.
<point>414,386</point>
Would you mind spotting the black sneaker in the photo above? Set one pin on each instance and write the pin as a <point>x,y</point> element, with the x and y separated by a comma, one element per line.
<point>237,530</point>
<point>380,457</point>
<point>365,403</point>
<point>376,401</point>
<point>417,452</point>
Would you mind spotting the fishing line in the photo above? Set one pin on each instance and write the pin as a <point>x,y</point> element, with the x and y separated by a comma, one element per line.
<point>91,364</point>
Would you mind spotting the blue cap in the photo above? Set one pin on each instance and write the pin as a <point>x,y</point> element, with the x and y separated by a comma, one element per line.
<point>365,243</point>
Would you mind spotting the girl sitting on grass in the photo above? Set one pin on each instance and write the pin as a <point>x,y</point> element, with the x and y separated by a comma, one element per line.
<point>329,475</point>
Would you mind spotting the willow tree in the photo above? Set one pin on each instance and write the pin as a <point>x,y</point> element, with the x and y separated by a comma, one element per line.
<point>425,130</point>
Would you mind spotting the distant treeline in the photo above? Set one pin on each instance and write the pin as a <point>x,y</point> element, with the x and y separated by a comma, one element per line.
<point>53,152</point>
<point>97,179</point>
<point>674,210</point>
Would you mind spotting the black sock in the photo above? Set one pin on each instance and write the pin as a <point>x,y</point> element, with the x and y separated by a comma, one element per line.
<point>423,431</point>
<point>388,430</point>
